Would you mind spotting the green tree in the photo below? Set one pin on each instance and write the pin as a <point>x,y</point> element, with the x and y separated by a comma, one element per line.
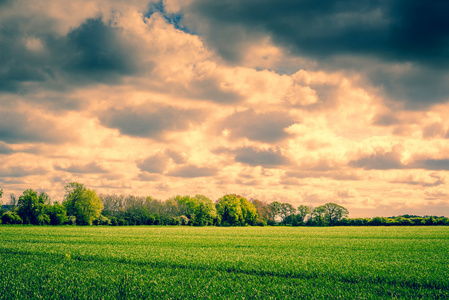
<point>235,210</point>
<point>82,203</point>
<point>249,212</point>
<point>206,212</point>
<point>1,202</point>
<point>31,207</point>
<point>228,207</point>
<point>200,210</point>
<point>319,216</point>
<point>303,211</point>
<point>285,210</point>
<point>335,213</point>
<point>57,214</point>
<point>275,209</point>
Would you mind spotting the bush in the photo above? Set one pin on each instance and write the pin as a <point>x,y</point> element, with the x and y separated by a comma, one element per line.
<point>261,223</point>
<point>11,218</point>
<point>43,219</point>
<point>113,221</point>
<point>101,220</point>
<point>71,220</point>
<point>271,222</point>
<point>183,220</point>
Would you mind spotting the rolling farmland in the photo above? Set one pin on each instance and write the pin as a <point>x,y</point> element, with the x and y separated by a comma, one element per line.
<point>221,263</point>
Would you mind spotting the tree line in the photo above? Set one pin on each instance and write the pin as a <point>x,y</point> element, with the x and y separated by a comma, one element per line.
<point>82,206</point>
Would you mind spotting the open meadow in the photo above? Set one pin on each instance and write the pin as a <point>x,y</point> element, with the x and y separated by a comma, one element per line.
<point>179,262</point>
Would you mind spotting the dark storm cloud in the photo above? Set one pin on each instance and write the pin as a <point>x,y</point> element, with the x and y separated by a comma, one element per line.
<point>95,50</point>
<point>91,168</point>
<point>153,124</point>
<point>252,156</point>
<point>24,128</point>
<point>398,29</point>
<point>18,64</point>
<point>92,52</point>
<point>191,171</point>
<point>264,127</point>
<point>392,32</point>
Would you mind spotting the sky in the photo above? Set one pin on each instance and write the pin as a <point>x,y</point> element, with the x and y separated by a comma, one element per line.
<point>304,102</point>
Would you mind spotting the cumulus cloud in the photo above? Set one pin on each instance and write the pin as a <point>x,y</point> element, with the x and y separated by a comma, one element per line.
<point>431,181</point>
<point>263,127</point>
<point>5,148</point>
<point>156,163</point>
<point>191,171</point>
<point>21,171</point>
<point>23,127</point>
<point>380,160</point>
<point>294,101</point>
<point>95,51</point>
<point>431,164</point>
<point>409,34</point>
<point>142,122</point>
<point>90,168</point>
<point>266,157</point>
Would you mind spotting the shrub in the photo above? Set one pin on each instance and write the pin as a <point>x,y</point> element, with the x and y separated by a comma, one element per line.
<point>101,220</point>
<point>183,220</point>
<point>11,218</point>
<point>71,220</point>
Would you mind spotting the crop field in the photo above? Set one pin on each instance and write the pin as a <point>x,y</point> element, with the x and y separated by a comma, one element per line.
<point>156,262</point>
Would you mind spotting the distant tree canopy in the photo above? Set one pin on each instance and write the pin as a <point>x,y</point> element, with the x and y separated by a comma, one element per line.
<point>82,206</point>
<point>82,203</point>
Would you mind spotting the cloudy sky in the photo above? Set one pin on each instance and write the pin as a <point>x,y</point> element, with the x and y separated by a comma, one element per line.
<point>305,102</point>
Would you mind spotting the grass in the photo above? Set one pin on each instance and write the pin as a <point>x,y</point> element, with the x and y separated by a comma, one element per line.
<point>223,263</point>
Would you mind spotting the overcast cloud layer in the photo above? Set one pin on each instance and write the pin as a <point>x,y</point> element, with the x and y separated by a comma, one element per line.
<point>295,101</point>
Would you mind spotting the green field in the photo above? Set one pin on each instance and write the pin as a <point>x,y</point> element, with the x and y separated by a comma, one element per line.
<point>223,263</point>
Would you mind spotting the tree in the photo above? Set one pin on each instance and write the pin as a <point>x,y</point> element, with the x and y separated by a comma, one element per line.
<point>57,214</point>
<point>263,211</point>
<point>275,209</point>
<point>228,207</point>
<point>285,210</point>
<point>31,207</point>
<point>335,213</point>
<point>236,210</point>
<point>319,216</point>
<point>249,212</point>
<point>303,211</point>
<point>199,210</point>
<point>206,213</point>
<point>1,194</point>
<point>12,202</point>
<point>82,203</point>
